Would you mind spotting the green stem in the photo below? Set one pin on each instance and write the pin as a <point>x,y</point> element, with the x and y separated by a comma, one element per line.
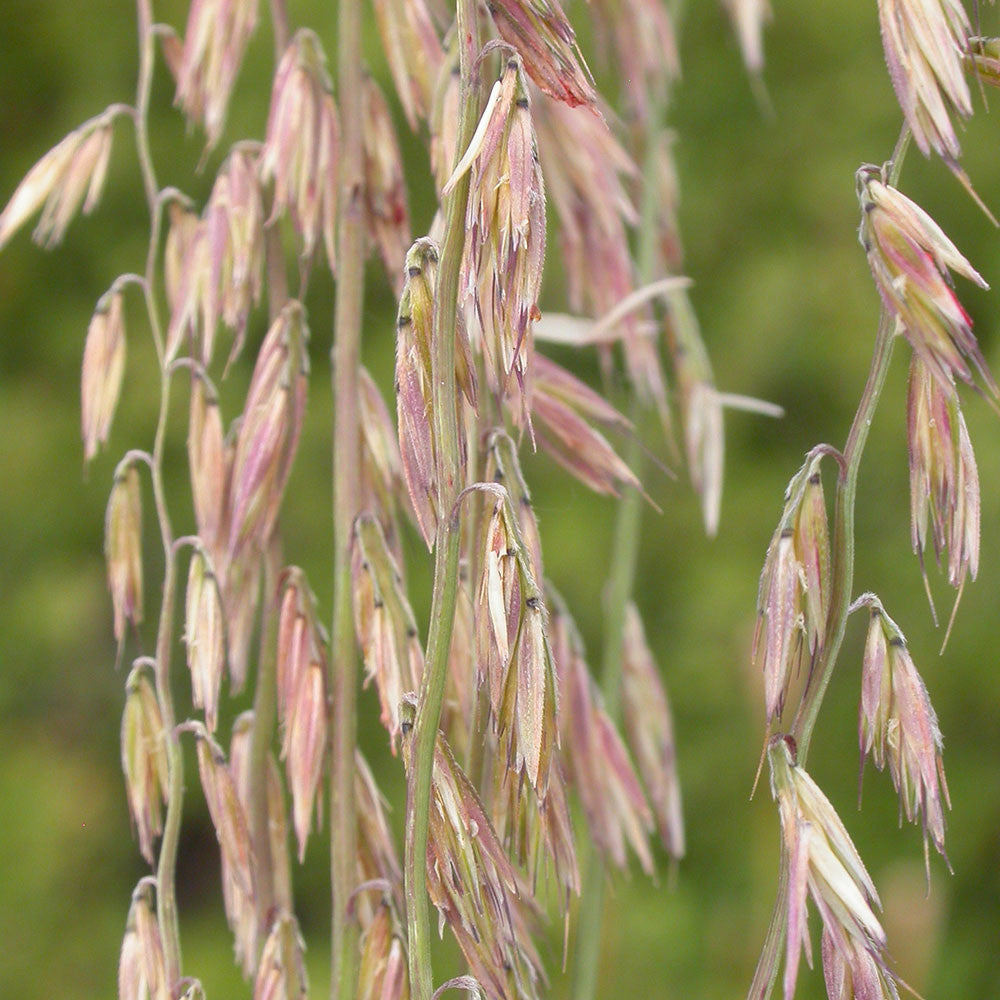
<point>842,582</point>
<point>843,530</point>
<point>624,557</point>
<point>166,894</point>
<point>620,587</point>
<point>843,540</point>
<point>346,501</point>
<point>446,549</point>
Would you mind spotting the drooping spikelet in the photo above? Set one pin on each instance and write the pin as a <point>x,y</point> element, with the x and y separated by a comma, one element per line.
<point>123,547</point>
<point>910,258</point>
<point>925,43</point>
<point>301,151</point>
<point>302,698</point>
<point>793,600</point>
<point>824,864</point>
<point>505,235</point>
<point>545,40</point>
<point>650,732</point>
<point>215,40</point>
<point>144,759</point>
<point>103,370</point>
<point>897,725</point>
<point>68,175</point>
<point>471,880</point>
<point>944,479</point>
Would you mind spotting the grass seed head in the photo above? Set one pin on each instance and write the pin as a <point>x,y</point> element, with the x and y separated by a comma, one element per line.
<point>599,767</point>
<point>925,44</point>
<point>68,176</point>
<point>302,146</point>
<point>793,599</point>
<point>103,370</point>
<point>910,258</point>
<point>645,41</point>
<point>204,634</point>
<point>384,621</point>
<point>649,728</point>
<point>561,403</point>
<point>281,973</point>
<point>215,40</point>
<point>240,750</point>
<point>386,214</point>
<point>234,220</point>
<point>302,698</point>
<point>232,831</point>
<point>851,971</point>
<point>144,759</point>
<point>823,863</point>
<point>944,478</point>
<point>413,51</point>
<point>383,973</point>
<point>544,39</point>
<point>414,329</point>
<point>505,236</point>
<point>471,881</point>
<point>142,973</point>
<point>897,725</point>
<point>123,548</point>
<point>269,431</point>
<point>210,464</point>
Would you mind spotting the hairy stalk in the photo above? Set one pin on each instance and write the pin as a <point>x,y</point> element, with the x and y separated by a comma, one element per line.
<point>166,894</point>
<point>346,501</point>
<point>446,547</point>
<point>842,580</point>
<point>624,556</point>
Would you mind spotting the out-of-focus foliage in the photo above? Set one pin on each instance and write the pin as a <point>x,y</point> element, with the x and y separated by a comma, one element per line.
<point>769,217</point>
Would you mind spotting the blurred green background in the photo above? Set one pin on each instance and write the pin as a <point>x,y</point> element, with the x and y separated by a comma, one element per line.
<point>769,217</point>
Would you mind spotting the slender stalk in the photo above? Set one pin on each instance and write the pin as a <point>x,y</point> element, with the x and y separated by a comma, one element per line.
<point>624,556</point>
<point>842,581</point>
<point>166,895</point>
<point>843,539</point>
<point>619,592</point>
<point>346,501</point>
<point>446,548</point>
